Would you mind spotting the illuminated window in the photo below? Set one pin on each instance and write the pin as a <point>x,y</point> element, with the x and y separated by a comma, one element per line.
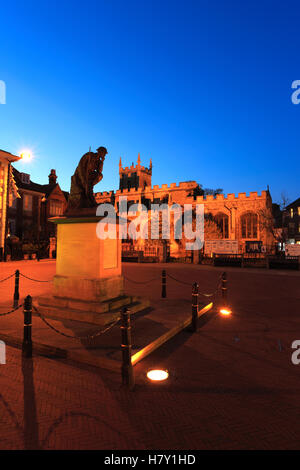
<point>249,225</point>
<point>292,212</point>
<point>27,202</point>
<point>299,210</point>
<point>222,222</point>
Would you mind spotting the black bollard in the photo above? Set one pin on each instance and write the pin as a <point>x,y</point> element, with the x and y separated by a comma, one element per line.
<point>164,284</point>
<point>16,293</point>
<point>127,368</point>
<point>27,342</point>
<point>224,288</point>
<point>195,291</point>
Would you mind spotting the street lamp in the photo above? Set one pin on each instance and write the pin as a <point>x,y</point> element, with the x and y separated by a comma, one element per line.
<point>26,155</point>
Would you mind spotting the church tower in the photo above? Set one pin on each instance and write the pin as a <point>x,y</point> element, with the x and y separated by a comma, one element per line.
<point>135,176</point>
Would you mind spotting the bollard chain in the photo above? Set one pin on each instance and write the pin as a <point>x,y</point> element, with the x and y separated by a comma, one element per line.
<point>8,277</point>
<point>140,282</point>
<point>77,338</point>
<point>35,280</point>
<point>11,311</point>
<point>177,280</point>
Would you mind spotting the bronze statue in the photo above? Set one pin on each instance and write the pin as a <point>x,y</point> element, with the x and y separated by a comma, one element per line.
<point>87,174</point>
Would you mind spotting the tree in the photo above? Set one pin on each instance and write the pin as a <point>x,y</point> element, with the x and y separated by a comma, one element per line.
<point>214,192</point>
<point>200,191</point>
<point>271,219</point>
<point>211,229</point>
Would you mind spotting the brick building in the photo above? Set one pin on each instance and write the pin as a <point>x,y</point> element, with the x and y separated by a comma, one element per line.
<point>291,218</point>
<point>237,217</point>
<point>8,192</point>
<point>28,215</point>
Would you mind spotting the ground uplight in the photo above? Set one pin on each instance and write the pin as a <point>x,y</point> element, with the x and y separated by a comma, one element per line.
<point>157,375</point>
<point>225,311</point>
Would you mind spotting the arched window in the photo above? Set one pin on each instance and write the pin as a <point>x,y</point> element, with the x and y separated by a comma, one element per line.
<point>222,221</point>
<point>249,225</point>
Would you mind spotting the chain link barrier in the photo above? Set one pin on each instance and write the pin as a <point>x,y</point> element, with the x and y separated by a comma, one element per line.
<point>8,277</point>
<point>141,282</point>
<point>200,293</point>
<point>213,293</point>
<point>177,280</point>
<point>77,338</point>
<point>26,277</point>
<point>35,280</point>
<point>11,311</point>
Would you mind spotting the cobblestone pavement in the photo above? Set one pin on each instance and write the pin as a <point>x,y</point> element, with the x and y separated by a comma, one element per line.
<point>232,384</point>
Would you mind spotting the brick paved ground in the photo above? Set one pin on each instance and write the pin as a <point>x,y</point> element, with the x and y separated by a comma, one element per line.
<point>232,384</point>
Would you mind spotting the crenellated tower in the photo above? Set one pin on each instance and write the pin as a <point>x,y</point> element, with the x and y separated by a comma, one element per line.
<point>135,176</point>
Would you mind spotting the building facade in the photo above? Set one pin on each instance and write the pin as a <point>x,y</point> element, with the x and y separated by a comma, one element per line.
<point>291,217</point>
<point>237,218</point>
<point>8,192</point>
<point>28,215</point>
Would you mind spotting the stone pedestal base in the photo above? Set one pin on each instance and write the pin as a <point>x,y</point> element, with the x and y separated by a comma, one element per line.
<point>88,285</point>
<point>89,312</point>
<point>95,290</point>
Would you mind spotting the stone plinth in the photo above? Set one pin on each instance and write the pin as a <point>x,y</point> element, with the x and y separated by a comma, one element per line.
<point>88,285</point>
<point>87,268</point>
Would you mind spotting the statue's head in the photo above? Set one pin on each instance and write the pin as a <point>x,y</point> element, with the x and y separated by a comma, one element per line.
<point>102,151</point>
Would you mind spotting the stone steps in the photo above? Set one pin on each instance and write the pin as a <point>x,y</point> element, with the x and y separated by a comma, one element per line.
<point>89,312</point>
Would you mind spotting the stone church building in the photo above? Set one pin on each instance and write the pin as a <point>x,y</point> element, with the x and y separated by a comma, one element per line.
<point>237,217</point>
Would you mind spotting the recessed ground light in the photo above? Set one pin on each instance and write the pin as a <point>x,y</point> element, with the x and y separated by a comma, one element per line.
<point>225,311</point>
<point>157,375</point>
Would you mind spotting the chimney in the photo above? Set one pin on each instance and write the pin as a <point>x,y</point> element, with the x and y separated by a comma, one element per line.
<point>52,177</point>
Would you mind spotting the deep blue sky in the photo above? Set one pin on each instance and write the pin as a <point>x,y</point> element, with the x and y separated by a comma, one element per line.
<point>202,87</point>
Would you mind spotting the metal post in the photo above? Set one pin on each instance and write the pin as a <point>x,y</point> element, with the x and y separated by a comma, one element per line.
<point>27,342</point>
<point>127,369</point>
<point>16,293</point>
<point>224,288</point>
<point>164,284</point>
<point>195,291</point>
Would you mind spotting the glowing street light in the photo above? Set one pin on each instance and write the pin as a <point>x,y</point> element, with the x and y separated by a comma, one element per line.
<point>26,155</point>
<point>157,375</point>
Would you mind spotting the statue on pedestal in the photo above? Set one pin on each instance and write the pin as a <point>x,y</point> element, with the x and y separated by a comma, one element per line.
<point>87,174</point>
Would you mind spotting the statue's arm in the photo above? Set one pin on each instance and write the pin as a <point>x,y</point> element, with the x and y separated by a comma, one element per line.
<point>98,178</point>
<point>98,173</point>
